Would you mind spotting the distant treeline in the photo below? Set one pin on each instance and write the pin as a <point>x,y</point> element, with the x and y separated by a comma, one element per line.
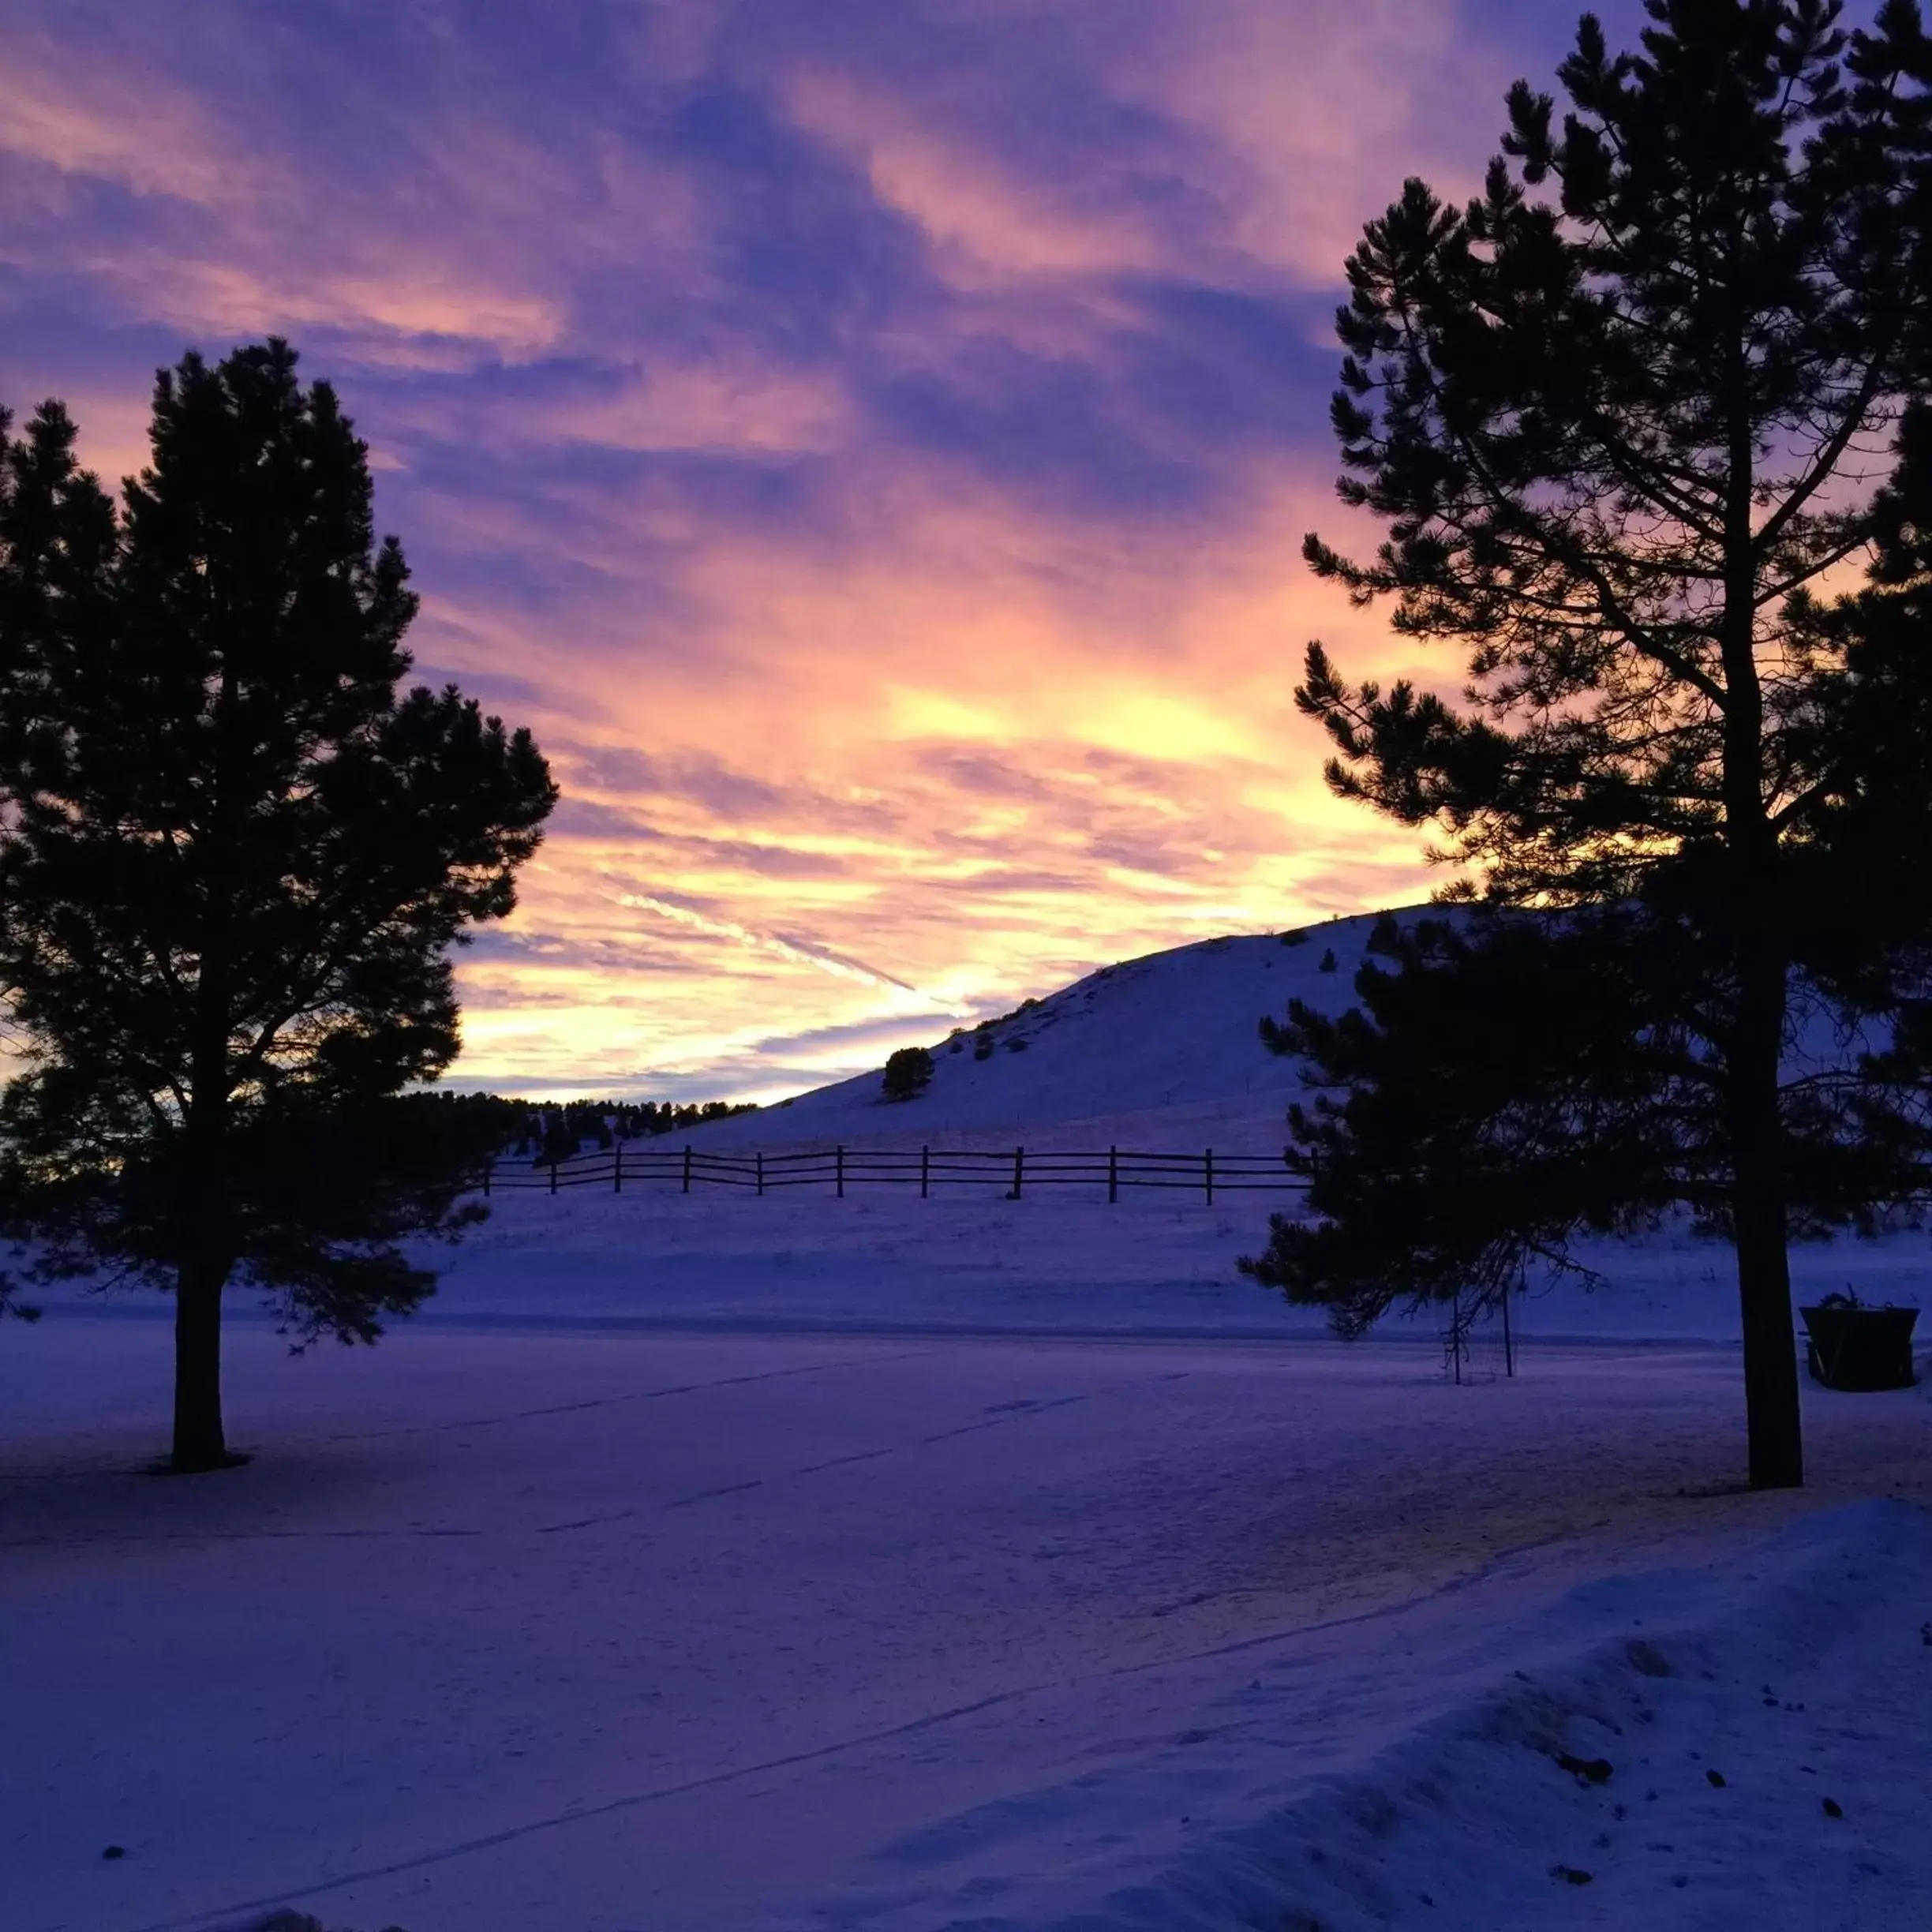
<point>544,1131</point>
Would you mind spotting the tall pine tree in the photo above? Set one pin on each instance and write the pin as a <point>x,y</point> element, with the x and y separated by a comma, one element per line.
<point>234,858</point>
<point>1621,415</point>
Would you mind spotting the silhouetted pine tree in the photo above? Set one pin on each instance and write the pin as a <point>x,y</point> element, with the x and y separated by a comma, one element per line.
<point>1616,414</point>
<point>233,860</point>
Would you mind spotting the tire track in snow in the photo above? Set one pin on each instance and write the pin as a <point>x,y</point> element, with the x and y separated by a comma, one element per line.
<point>162,1536</point>
<point>1008,1412</point>
<point>222,1915</point>
<point>607,1401</point>
<point>427,1428</point>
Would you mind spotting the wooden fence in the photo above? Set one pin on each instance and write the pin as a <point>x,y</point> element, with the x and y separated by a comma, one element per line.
<point>1012,1171</point>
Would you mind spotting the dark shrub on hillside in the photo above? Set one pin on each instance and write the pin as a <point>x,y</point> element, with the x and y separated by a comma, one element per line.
<point>908,1073</point>
<point>1328,961</point>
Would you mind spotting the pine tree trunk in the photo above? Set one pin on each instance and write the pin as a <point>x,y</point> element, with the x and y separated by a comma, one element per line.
<point>1756,1046</point>
<point>204,1257</point>
<point>1757,1209</point>
<point>199,1442</point>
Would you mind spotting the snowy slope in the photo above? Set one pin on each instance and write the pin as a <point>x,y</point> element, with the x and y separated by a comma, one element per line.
<point>1160,1054</point>
<point>1162,1051</point>
<point>1168,1040</point>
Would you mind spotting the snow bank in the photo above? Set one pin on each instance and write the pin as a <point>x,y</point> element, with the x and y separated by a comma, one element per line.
<point>1675,1748</point>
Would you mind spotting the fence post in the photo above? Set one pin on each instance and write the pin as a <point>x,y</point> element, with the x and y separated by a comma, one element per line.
<point>553,1168</point>
<point>925,1170</point>
<point>1113,1175</point>
<point>1208,1175</point>
<point>486,1166</point>
<point>1509,1347</point>
<point>839,1155</point>
<point>617,1170</point>
<point>1019,1165</point>
<point>760,1170</point>
<point>687,1167</point>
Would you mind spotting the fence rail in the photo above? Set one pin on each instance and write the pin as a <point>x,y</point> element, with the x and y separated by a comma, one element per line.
<point>1011,1171</point>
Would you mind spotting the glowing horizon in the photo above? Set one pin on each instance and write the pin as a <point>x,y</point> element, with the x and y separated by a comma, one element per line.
<point>869,445</point>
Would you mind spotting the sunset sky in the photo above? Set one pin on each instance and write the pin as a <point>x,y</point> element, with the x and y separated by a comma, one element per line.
<point>868,441</point>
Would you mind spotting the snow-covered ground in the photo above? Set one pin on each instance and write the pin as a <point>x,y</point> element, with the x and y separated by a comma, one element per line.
<point>625,1630</point>
<point>1153,1264</point>
<point>712,1562</point>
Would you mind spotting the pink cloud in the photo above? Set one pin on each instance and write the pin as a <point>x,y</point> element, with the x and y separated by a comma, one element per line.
<point>870,443</point>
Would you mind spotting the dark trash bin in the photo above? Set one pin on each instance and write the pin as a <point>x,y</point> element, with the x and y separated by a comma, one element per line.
<point>1850,1347</point>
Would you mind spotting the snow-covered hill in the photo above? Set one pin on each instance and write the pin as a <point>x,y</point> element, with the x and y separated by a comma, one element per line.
<point>1166,1048</point>
<point>1160,1054</point>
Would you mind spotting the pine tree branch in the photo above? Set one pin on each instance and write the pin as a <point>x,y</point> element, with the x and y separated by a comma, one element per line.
<point>1856,417</point>
<point>1773,593</point>
<point>1813,795</point>
<point>1501,502</point>
<point>1624,459</point>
